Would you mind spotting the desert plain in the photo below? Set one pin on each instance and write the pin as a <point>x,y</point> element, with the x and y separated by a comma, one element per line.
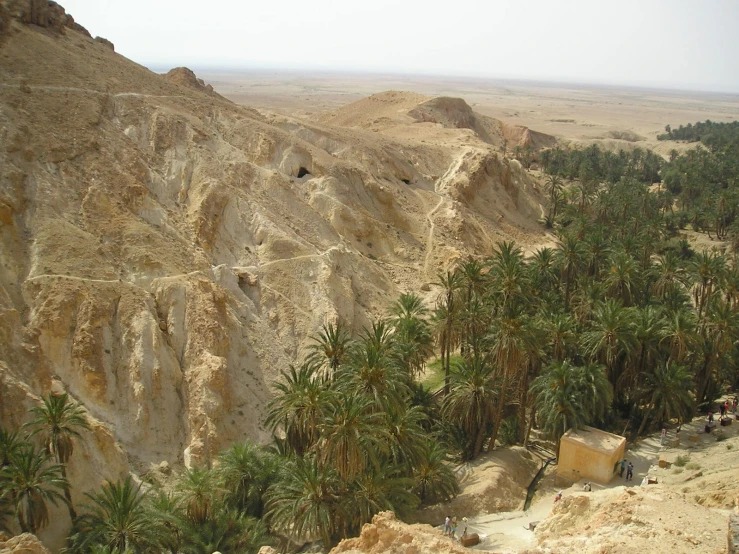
<point>579,113</point>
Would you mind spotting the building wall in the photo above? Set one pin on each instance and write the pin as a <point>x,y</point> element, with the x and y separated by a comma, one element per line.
<point>577,461</point>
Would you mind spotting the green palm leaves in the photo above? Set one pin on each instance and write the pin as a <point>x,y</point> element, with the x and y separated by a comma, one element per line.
<point>568,396</point>
<point>117,519</point>
<point>29,481</point>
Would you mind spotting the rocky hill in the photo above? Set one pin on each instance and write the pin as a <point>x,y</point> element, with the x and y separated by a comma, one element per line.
<point>165,253</point>
<point>433,119</point>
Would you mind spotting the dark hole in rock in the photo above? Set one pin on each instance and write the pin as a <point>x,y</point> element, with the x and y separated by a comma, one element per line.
<point>302,172</point>
<point>406,181</point>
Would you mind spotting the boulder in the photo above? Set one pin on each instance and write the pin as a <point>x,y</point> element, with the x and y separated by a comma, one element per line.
<point>25,543</point>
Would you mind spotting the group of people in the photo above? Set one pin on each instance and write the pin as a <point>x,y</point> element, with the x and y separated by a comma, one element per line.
<point>450,526</point>
<point>728,406</point>
<point>629,468</point>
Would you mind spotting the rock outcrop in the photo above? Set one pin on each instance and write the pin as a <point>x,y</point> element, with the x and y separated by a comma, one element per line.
<point>25,543</point>
<point>43,13</point>
<point>387,535</point>
<point>185,77</point>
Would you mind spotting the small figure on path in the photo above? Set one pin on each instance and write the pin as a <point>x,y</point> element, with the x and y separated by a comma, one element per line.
<point>447,525</point>
<point>453,534</point>
<point>721,410</point>
<point>558,497</point>
<point>623,467</point>
<point>588,487</point>
<point>726,407</point>
<point>464,520</point>
<point>630,472</point>
<point>710,417</point>
<point>663,438</point>
<point>734,403</point>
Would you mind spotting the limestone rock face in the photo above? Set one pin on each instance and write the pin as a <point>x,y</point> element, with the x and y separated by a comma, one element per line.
<point>387,535</point>
<point>165,253</point>
<point>43,13</point>
<point>23,544</point>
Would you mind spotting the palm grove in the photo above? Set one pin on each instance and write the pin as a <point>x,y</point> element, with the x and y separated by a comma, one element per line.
<point>621,324</point>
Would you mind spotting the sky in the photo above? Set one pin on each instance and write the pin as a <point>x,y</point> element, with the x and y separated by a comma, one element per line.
<point>686,44</point>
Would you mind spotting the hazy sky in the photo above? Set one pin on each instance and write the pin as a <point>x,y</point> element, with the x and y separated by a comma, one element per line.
<point>672,43</point>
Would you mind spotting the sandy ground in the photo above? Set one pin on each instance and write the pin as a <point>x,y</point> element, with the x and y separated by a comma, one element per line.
<point>573,112</point>
<point>509,531</point>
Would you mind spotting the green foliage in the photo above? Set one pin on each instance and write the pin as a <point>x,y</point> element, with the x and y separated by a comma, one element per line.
<point>28,483</point>
<point>117,520</point>
<point>568,396</point>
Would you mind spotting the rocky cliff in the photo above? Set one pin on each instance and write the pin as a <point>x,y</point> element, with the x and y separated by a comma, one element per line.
<point>165,253</point>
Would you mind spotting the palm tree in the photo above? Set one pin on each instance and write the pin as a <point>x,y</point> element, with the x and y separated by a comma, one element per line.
<point>378,490</point>
<point>227,530</point>
<point>561,330</point>
<point>329,347</point>
<point>29,481</point>
<point>680,332</point>
<point>352,435</point>
<point>570,255</point>
<point>610,335</point>
<point>543,276</point>
<point>649,329</point>
<point>509,277</point>
<point>554,186</point>
<point>374,369</point>
<point>434,478</point>
<point>246,472</point>
<point>118,520</point>
<point>10,444</point>
<point>298,407</point>
<point>670,275</point>
<point>412,332</point>
<point>407,435</point>
<point>305,501</point>
<point>197,488</point>
<point>570,397</point>
<point>471,402</point>
<point>445,319</point>
<point>666,394</point>
<point>58,421</point>
<point>513,340</point>
<point>707,269</point>
<point>622,278</point>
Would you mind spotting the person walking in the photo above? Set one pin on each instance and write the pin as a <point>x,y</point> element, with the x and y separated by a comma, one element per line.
<point>453,534</point>
<point>630,472</point>
<point>447,525</point>
<point>623,467</point>
<point>663,437</point>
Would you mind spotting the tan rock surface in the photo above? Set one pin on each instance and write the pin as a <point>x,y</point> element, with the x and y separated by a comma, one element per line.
<point>161,261</point>
<point>387,535</point>
<point>25,543</point>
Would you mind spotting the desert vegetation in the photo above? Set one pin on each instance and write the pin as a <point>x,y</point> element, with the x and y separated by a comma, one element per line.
<point>622,324</point>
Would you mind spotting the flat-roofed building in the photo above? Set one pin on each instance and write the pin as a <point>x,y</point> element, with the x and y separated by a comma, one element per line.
<point>589,453</point>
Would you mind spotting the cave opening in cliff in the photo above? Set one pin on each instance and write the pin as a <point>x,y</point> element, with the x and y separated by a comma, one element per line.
<point>302,172</point>
<point>406,181</point>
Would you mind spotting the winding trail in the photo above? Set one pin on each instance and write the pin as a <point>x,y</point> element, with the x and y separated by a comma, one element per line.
<point>430,236</point>
<point>53,88</point>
